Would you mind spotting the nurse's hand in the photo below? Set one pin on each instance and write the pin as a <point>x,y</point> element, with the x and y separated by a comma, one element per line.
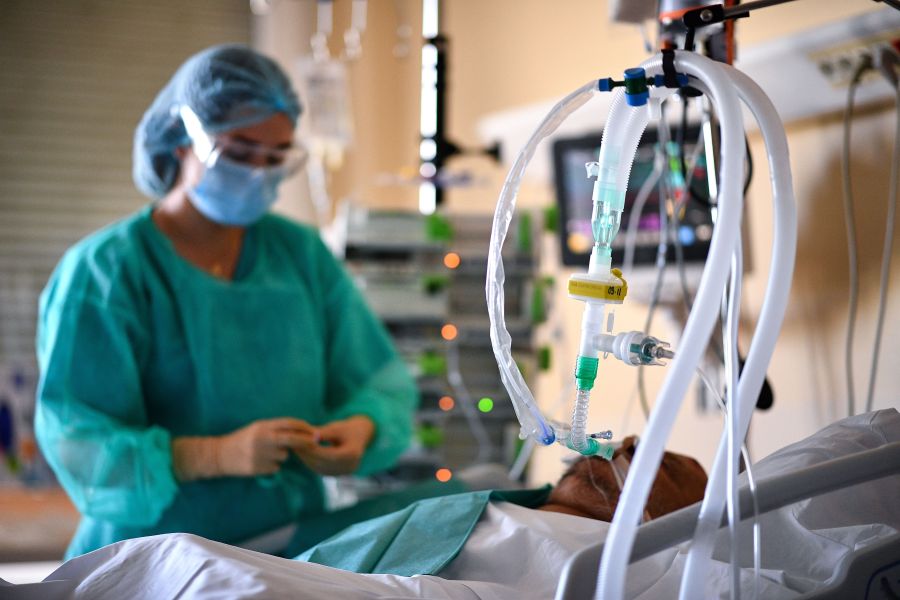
<point>341,446</point>
<point>261,447</point>
<point>256,449</point>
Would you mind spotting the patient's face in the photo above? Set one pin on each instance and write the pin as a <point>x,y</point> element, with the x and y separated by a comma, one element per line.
<point>591,486</point>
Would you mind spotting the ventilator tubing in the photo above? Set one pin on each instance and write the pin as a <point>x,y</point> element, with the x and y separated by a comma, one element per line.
<point>586,367</point>
<point>617,150</point>
<point>532,421</point>
<point>719,81</point>
<point>620,540</point>
<point>781,268</point>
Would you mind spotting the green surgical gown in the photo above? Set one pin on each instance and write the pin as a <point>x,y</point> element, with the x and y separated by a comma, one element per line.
<point>137,346</point>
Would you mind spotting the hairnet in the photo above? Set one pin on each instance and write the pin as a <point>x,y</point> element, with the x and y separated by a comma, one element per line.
<point>227,87</point>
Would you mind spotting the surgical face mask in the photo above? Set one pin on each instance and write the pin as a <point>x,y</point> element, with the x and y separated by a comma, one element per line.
<point>231,193</point>
<point>241,179</point>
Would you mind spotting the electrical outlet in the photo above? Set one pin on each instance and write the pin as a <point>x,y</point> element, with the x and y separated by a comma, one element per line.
<point>838,63</point>
<point>806,73</point>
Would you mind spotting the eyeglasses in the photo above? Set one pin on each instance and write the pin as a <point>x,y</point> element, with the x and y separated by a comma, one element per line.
<point>210,148</point>
<point>290,159</point>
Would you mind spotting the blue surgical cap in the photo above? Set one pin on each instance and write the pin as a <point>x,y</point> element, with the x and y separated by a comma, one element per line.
<point>227,87</point>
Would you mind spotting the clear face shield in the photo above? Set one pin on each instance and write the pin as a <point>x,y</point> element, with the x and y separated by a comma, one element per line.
<point>210,149</point>
<point>241,177</point>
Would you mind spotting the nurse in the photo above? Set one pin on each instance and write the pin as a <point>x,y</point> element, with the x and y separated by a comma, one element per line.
<point>204,362</point>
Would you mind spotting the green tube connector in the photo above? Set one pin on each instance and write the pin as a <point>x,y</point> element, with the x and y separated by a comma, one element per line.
<point>605,450</point>
<point>586,372</point>
<point>589,449</point>
<point>593,447</point>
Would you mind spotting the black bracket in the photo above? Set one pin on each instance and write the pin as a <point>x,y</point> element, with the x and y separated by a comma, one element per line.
<point>891,3</point>
<point>717,13</point>
<point>670,75</point>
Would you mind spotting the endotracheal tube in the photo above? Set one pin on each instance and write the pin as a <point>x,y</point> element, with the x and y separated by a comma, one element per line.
<point>600,286</point>
<point>726,88</point>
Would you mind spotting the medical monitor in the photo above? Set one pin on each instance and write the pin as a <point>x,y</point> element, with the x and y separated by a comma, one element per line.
<point>573,197</point>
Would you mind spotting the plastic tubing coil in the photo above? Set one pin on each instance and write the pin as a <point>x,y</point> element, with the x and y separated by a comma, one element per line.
<point>781,268</point>
<point>614,562</point>
<point>532,421</point>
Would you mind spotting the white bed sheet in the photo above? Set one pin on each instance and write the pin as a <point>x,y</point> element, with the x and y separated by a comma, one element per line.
<point>514,552</point>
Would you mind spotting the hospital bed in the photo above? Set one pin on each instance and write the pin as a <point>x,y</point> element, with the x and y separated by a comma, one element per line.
<point>860,577</point>
<point>863,472</point>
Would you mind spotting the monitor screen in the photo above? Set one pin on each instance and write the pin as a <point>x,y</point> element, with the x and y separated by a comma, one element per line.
<point>573,197</point>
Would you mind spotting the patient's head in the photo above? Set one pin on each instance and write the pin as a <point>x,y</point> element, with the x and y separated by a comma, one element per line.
<point>591,486</point>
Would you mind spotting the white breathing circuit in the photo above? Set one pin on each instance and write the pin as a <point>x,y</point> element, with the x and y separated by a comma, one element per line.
<point>726,88</point>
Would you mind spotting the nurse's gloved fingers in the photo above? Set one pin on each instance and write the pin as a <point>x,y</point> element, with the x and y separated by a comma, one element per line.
<point>345,466</point>
<point>358,429</point>
<point>333,460</point>
<point>268,468</point>
<point>279,455</point>
<point>334,452</point>
<point>291,424</point>
<point>294,441</point>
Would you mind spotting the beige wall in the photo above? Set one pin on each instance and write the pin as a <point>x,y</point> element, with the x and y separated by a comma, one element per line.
<point>507,53</point>
<point>384,89</point>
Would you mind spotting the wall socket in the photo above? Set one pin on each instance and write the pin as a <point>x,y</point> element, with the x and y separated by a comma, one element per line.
<point>838,63</point>
<point>807,73</point>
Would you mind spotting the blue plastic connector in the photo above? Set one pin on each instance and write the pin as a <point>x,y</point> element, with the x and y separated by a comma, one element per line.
<point>636,91</point>
<point>660,80</point>
<point>548,436</point>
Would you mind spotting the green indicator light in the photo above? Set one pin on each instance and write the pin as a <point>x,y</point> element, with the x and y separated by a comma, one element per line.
<point>485,405</point>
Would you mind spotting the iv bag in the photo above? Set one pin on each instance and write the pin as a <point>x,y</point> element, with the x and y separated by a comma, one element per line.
<point>328,108</point>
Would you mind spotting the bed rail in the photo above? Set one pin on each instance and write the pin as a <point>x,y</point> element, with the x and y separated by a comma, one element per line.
<point>579,576</point>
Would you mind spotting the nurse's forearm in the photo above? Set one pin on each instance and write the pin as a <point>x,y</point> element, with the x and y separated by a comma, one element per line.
<point>255,449</point>
<point>196,458</point>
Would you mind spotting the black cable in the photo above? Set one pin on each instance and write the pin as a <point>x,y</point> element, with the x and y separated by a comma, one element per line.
<point>891,3</point>
<point>680,136</point>
<point>766,395</point>
<point>749,156</point>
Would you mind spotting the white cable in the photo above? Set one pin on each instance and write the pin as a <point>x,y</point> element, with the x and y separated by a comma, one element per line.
<point>637,210</point>
<point>850,222</point>
<point>662,248</point>
<point>735,439</point>
<point>781,266</point>
<point>518,467</point>
<point>532,421</point>
<point>885,257</point>
<point>620,540</point>
<point>745,453</point>
<point>679,250</point>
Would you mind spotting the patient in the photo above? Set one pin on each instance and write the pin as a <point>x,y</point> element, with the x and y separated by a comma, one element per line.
<point>468,545</point>
<point>404,542</point>
<point>591,486</point>
<point>508,550</point>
